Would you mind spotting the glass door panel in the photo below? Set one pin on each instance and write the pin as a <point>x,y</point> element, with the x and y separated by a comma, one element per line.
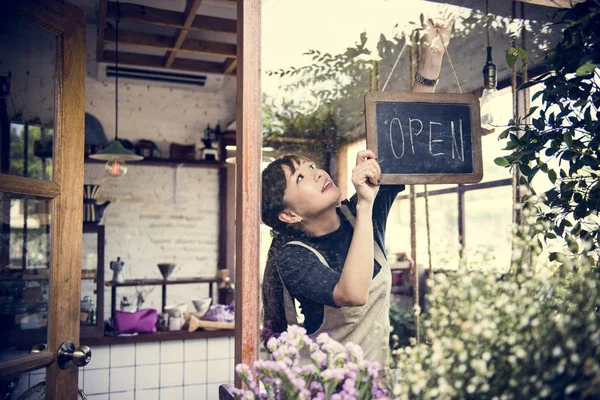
<point>24,272</point>
<point>28,66</point>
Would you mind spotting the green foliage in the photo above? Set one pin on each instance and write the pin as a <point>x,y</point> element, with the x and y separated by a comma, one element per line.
<point>563,141</point>
<point>403,327</point>
<point>518,336</point>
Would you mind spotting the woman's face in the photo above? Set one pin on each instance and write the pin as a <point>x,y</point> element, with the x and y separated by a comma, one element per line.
<point>309,191</point>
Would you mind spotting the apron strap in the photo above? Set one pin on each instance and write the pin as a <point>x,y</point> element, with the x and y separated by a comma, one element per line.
<point>377,251</point>
<point>291,314</point>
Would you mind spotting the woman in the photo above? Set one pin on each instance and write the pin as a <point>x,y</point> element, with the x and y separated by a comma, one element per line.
<point>330,256</point>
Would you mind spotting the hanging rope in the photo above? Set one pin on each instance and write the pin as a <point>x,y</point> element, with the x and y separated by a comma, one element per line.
<point>395,64</point>
<point>456,81</point>
<point>117,72</point>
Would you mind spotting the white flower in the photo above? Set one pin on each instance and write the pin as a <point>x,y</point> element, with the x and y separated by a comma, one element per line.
<point>575,358</point>
<point>570,389</point>
<point>556,351</point>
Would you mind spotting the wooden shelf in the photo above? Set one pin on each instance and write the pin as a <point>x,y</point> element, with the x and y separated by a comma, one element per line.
<point>159,162</point>
<point>156,282</point>
<point>42,275</point>
<point>156,337</point>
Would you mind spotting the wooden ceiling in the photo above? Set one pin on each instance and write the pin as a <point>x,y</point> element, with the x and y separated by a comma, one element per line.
<point>182,52</point>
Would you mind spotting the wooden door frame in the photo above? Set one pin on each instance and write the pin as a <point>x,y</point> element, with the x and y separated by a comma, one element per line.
<point>248,156</point>
<point>68,24</point>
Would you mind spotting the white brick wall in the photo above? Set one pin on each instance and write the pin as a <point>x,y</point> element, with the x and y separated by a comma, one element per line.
<point>158,214</point>
<point>144,226</point>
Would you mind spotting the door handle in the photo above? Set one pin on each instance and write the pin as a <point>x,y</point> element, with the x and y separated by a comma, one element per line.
<point>68,354</point>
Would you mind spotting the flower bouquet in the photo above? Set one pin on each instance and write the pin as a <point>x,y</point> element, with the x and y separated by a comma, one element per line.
<point>300,368</point>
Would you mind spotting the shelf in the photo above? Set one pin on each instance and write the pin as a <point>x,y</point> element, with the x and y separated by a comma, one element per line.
<point>169,163</point>
<point>155,282</point>
<point>156,337</point>
<point>40,276</point>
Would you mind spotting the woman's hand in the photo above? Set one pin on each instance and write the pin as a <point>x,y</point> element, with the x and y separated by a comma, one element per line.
<point>438,32</point>
<point>365,176</point>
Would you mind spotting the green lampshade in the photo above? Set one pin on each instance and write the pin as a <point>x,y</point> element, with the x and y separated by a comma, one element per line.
<point>116,150</point>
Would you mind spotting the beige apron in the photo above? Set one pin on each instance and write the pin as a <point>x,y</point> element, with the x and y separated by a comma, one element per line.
<point>367,325</point>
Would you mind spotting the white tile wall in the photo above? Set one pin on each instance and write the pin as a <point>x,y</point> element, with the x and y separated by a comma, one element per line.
<point>130,395</point>
<point>195,372</point>
<point>122,379</point>
<point>122,355</point>
<point>96,381</point>
<point>171,374</point>
<point>197,392</point>
<point>147,376</point>
<point>147,353</point>
<point>171,352</point>
<point>177,370</point>
<point>98,396</point>
<point>172,393</point>
<point>218,348</point>
<point>195,350</point>
<point>218,371</point>
<point>151,394</point>
<point>100,358</point>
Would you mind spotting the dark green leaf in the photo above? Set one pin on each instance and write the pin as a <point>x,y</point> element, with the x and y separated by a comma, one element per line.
<point>511,57</point>
<point>568,138</point>
<point>539,124</point>
<point>525,169</point>
<point>552,176</point>
<point>586,69</point>
<point>502,162</point>
<point>528,85</point>
<point>572,244</point>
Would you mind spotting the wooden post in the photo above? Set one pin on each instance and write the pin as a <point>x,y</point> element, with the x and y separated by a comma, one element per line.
<point>248,140</point>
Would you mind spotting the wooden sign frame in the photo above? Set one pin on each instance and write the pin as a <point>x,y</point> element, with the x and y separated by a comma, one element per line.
<point>371,100</point>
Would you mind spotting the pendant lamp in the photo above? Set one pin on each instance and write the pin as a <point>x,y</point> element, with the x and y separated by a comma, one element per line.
<point>115,154</point>
<point>490,78</point>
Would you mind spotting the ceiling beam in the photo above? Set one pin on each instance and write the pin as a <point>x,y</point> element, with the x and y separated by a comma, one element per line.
<point>553,3</point>
<point>182,64</point>
<point>100,32</point>
<point>191,9</point>
<point>229,66</point>
<point>163,42</point>
<point>171,19</point>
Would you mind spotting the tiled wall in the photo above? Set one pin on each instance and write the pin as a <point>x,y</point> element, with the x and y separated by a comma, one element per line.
<point>174,370</point>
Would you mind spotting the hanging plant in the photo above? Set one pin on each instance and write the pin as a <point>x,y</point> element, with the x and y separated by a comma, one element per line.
<point>563,141</point>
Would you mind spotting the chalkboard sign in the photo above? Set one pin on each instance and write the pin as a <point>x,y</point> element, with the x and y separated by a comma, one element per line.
<point>425,137</point>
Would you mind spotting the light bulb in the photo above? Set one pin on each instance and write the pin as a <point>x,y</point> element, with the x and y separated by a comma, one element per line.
<point>487,109</point>
<point>115,168</point>
<point>489,94</point>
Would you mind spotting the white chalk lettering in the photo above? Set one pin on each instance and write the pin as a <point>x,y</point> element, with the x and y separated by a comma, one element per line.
<point>410,121</point>
<point>461,156</point>
<point>431,141</point>
<point>401,135</point>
